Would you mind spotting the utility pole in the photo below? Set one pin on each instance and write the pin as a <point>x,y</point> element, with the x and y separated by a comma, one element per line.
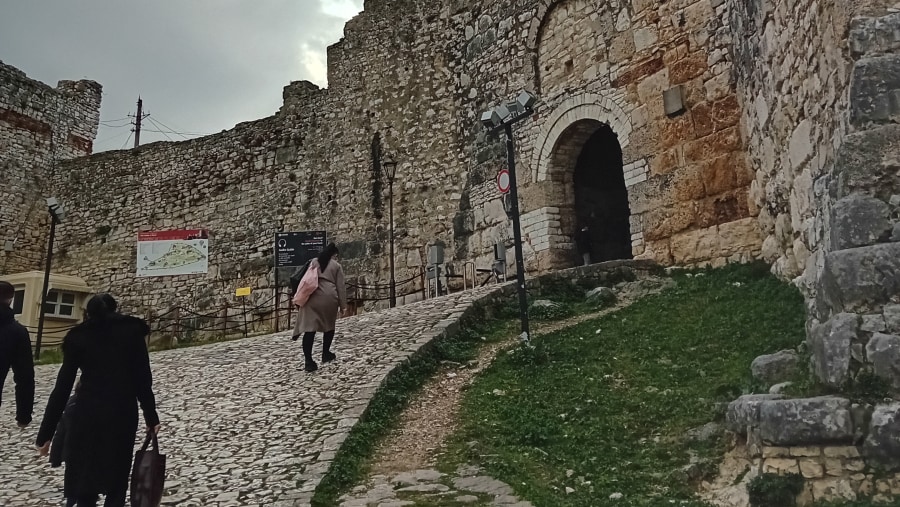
<point>137,122</point>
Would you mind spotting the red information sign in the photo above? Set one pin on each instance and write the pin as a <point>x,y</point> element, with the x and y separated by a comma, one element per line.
<point>173,235</point>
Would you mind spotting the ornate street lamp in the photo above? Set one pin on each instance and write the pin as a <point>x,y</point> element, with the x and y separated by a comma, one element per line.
<point>503,117</point>
<point>390,170</point>
<point>57,215</point>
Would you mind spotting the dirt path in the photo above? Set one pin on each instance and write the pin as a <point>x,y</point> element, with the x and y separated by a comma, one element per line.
<point>434,413</point>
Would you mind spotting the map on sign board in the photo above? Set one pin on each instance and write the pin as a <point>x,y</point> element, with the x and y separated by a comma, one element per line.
<point>171,253</point>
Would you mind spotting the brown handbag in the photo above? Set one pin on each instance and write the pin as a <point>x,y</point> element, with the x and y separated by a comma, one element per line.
<point>148,476</point>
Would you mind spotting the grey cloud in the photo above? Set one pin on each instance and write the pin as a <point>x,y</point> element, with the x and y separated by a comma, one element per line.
<point>201,66</point>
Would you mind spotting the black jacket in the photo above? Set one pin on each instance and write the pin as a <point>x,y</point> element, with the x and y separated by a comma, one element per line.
<point>115,375</point>
<point>15,354</point>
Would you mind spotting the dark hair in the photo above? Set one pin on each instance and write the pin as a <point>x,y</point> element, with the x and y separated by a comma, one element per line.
<point>325,257</point>
<point>7,291</point>
<point>101,306</point>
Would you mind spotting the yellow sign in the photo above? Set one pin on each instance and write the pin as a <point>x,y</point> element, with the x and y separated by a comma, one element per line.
<point>243,292</point>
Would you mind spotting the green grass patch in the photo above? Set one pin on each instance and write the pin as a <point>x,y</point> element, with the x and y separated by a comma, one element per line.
<point>601,407</point>
<point>352,461</point>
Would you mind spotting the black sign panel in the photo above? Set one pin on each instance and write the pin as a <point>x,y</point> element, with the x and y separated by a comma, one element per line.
<point>295,248</point>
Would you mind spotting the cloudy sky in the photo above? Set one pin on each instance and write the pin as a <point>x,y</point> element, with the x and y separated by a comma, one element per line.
<point>201,66</point>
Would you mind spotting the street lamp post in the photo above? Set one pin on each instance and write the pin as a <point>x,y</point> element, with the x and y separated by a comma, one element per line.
<point>390,169</point>
<point>57,213</point>
<point>503,117</point>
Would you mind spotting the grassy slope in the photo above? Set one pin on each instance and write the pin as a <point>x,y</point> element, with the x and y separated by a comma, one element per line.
<point>609,407</point>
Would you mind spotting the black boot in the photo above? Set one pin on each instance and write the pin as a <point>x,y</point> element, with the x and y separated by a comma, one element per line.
<point>327,355</point>
<point>307,352</point>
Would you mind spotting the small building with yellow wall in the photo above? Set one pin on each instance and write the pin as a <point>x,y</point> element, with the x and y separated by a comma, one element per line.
<point>67,297</point>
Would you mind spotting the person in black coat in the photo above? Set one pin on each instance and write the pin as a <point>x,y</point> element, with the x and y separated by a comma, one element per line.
<point>109,350</point>
<point>15,354</point>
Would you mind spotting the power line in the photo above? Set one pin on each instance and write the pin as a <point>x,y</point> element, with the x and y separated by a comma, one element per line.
<point>174,131</point>
<point>126,141</point>
<point>111,138</point>
<point>157,126</point>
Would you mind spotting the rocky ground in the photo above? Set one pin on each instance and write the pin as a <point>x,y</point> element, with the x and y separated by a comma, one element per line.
<point>243,425</point>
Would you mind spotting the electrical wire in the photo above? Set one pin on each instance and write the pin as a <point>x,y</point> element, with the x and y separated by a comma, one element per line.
<point>160,131</point>
<point>126,141</point>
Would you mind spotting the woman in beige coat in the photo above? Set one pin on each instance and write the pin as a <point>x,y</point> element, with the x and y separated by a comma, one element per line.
<point>320,312</point>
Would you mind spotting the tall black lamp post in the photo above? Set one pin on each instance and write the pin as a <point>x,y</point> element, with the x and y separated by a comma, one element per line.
<point>390,170</point>
<point>57,214</point>
<point>503,117</point>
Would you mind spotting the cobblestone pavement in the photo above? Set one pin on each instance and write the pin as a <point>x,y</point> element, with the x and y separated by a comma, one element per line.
<point>242,423</point>
<point>429,487</point>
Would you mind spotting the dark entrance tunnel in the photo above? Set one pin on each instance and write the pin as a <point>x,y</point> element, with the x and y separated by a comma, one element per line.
<point>601,199</point>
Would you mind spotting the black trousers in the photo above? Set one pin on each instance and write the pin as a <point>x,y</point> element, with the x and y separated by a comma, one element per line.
<point>308,344</point>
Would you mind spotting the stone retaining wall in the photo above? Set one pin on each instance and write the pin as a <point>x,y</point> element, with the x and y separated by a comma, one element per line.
<point>843,450</point>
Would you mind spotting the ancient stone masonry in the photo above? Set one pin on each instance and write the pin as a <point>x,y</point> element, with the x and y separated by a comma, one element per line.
<point>38,126</point>
<point>417,74</point>
<point>854,328</point>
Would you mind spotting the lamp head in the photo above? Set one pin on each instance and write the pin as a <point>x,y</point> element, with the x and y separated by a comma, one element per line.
<point>52,203</point>
<point>526,100</point>
<point>390,166</point>
<point>490,119</point>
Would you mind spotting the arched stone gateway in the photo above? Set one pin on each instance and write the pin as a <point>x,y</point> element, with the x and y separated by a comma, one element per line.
<point>578,164</point>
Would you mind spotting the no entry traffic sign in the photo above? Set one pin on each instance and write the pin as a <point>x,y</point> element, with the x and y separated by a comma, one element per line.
<point>503,181</point>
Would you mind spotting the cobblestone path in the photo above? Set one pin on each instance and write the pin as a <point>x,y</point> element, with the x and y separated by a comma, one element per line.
<point>242,423</point>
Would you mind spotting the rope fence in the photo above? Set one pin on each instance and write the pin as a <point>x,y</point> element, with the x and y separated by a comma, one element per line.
<point>182,324</point>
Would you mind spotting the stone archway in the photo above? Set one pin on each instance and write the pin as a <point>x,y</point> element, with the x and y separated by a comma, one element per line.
<point>586,164</point>
<point>580,146</point>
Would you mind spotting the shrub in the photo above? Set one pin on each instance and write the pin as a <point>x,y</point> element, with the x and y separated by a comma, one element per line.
<point>772,490</point>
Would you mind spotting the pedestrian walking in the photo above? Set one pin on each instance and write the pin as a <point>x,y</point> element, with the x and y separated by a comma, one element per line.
<point>110,351</point>
<point>15,355</point>
<point>320,312</point>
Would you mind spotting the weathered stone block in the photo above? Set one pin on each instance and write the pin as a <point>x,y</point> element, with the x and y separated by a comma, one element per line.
<point>829,343</point>
<point>780,466</point>
<point>863,277</point>
<point>811,469</point>
<point>859,220</point>
<point>875,90</point>
<point>777,367</point>
<point>883,351</point>
<point>805,421</point>
<point>744,411</point>
<point>867,163</point>
<point>882,444</point>
<point>871,36</point>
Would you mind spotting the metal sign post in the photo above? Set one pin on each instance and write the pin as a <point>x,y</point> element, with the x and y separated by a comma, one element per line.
<point>502,118</point>
<point>243,293</point>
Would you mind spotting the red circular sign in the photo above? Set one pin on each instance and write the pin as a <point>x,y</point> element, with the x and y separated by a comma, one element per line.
<point>503,181</point>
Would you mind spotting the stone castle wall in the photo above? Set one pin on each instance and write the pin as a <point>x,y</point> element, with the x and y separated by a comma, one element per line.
<point>38,126</point>
<point>419,81</point>
<point>793,67</point>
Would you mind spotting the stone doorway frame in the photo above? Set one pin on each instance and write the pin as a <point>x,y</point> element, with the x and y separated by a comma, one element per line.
<point>546,228</point>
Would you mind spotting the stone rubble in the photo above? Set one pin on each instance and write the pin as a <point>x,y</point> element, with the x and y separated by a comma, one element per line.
<point>468,485</point>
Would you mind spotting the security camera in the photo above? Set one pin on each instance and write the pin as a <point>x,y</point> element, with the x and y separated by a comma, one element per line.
<point>52,202</point>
